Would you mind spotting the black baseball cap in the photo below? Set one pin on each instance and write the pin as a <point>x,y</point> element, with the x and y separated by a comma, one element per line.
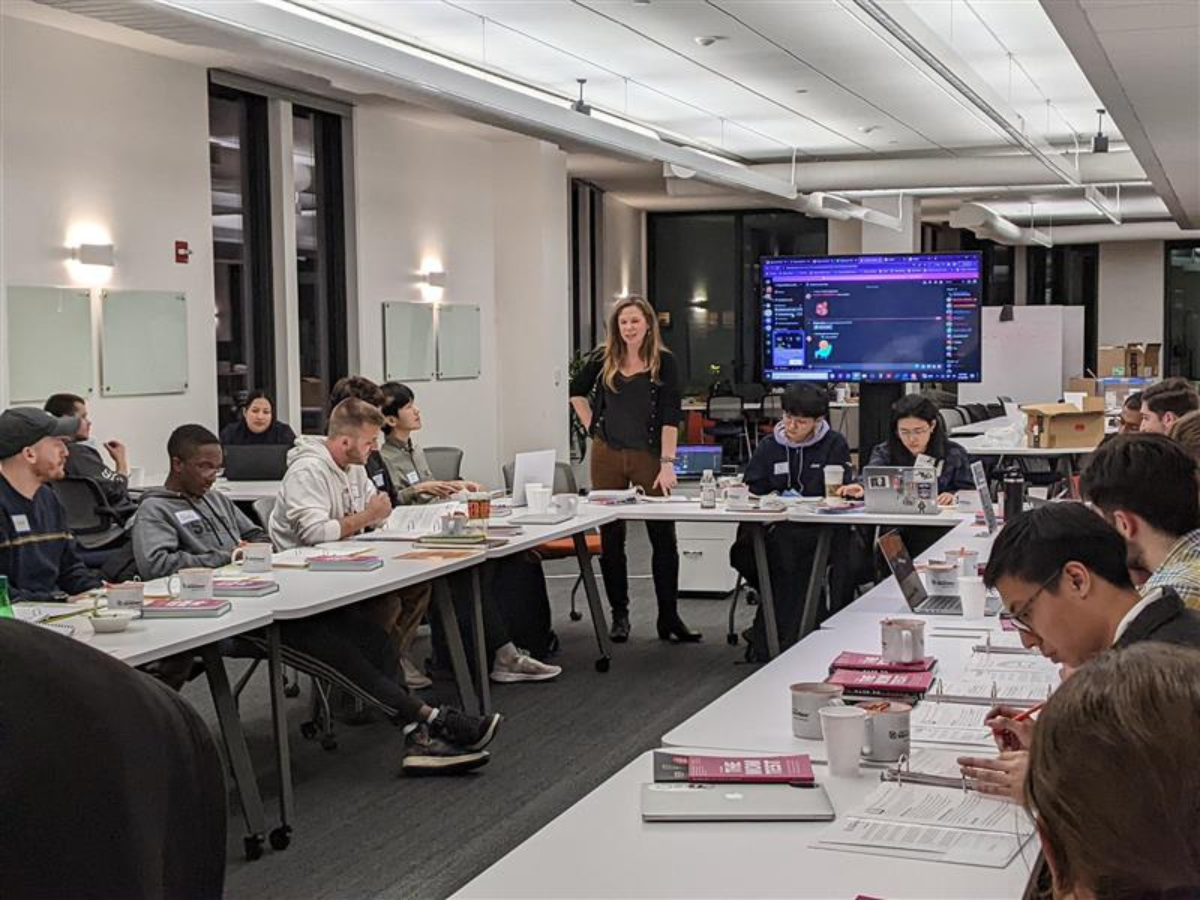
<point>24,426</point>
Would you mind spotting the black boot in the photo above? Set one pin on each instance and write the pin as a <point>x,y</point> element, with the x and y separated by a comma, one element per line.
<point>619,632</point>
<point>671,628</point>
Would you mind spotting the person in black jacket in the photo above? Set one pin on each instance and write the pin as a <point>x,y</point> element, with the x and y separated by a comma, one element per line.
<point>792,460</point>
<point>1061,573</point>
<point>629,398</point>
<point>256,424</point>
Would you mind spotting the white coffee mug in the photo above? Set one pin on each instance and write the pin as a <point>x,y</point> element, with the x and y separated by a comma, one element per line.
<point>903,640</point>
<point>566,504</point>
<point>538,498</point>
<point>808,698</point>
<point>833,480</point>
<point>844,730</point>
<point>887,730</point>
<point>737,497</point>
<point>966,561</point>
<point>128,596</point>
<point>191,584</point>
<point>973,596</point>
<point>453,525</point>
<point>943,578</point>
<point>253,557</point>
<point>137,476</point>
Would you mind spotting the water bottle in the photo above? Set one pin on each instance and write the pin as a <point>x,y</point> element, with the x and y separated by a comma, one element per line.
<point>1013,488</point>
<point>6,610</point>
<point>708,490</point>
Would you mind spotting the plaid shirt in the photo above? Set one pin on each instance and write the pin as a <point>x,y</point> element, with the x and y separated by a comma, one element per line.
<point>1180,570</point>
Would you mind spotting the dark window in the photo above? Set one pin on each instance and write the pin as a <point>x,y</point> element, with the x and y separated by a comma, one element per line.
<point>1067,275</point>
<point>587,306</point>
<point>320,259</point>
<point>1182,319</point>
<point>241,221</point>
<point>703,277</point>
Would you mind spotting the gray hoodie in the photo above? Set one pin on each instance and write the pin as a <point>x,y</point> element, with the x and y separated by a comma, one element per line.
<point>316,492</point>
<point>173,531</point>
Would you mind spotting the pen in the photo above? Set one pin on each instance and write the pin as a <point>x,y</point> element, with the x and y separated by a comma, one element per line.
<point>1005,736</point>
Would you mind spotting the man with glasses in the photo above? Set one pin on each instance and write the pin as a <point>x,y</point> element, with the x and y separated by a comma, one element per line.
<point>1060,571</point>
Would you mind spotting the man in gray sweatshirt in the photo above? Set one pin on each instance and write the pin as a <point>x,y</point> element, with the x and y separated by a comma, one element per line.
<point>187,523</point>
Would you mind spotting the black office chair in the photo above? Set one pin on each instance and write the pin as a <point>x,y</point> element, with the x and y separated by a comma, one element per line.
<point>445,462</point>
<point>728,415</point>
<point>94,523</point>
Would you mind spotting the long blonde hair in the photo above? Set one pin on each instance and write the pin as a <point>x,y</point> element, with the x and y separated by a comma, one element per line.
<point>614,345</point>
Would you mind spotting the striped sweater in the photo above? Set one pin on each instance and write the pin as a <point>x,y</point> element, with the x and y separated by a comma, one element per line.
<point>37,553</point>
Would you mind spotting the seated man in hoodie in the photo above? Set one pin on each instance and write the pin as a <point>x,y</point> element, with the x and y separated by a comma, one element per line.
<point>326,495</point>
<point>792,459</point>
<point>186,523</point>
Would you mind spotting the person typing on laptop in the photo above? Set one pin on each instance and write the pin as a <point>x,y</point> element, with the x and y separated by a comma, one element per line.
<point>1061,573</point>
<point>792,460</point>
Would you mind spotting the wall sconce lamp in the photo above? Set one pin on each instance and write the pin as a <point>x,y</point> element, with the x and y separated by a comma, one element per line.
<point>93,254</point>
<point>433,279</point>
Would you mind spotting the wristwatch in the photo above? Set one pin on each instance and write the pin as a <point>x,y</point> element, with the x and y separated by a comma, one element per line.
<point>667,459</point>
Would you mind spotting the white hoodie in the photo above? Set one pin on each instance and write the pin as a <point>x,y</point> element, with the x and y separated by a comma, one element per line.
<point>314,495</point>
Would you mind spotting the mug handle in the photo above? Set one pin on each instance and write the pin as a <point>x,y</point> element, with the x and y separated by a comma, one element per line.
<point>174,586</point>
<point>238,556</point>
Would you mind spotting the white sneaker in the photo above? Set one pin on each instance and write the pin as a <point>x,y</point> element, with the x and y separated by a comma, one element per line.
<point>414,677</point>
<point>523,668</point>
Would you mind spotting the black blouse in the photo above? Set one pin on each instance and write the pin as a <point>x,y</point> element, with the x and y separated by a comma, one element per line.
<point>236,434</point>
<point>633,416</point>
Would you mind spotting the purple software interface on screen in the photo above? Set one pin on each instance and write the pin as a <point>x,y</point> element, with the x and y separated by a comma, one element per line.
<point>884,318</point>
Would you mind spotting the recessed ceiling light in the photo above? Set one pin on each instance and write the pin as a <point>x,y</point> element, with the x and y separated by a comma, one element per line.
<point>707,40</point>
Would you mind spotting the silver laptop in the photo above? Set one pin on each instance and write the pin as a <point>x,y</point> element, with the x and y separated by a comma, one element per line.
<point>683,802</point>
<point>891,545</point>
<point>532,468</point>
<point>907,490</point>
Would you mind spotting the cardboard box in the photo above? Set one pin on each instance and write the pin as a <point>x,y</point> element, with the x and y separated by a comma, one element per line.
<point>312,393</point>
<point>1113,391</point>
<point>1110,361</point>
<point>1130,361</point>
<point>1053,426</point>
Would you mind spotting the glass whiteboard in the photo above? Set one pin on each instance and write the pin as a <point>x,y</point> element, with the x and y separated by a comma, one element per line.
<point>144,348</point>
<point>408,342</point>
<point>458,342</point>
<point>49,343</point>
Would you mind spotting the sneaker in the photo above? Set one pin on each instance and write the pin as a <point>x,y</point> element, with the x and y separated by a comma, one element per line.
<point>523,668</point>
<point>414,677</point>
<point>471,732</point>
<point>427,754</point>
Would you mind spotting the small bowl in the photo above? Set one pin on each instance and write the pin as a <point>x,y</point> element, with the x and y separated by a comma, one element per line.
<point>110,622</point>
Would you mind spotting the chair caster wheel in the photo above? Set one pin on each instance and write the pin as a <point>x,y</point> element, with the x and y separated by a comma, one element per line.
<point>291,690</point>
<point>329,744</point>
<point>281,837</point>
<point>602,664</point>
<point>731,640</point>
<point>253,845</point>
<point>308,730</point>
<point>576,616</point>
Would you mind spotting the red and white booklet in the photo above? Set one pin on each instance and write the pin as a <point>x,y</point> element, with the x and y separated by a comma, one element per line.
<point>795,769</point>
<point>848,659</point>
<point>881,684</point>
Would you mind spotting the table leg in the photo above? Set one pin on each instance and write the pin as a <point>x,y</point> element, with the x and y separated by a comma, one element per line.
<point>234,740</point>
<point>281,836</point>
<point>766,596</point>
<point>599,620</point>
<point>816,580</point>
<point>458,656</point>
<point>481,655</point>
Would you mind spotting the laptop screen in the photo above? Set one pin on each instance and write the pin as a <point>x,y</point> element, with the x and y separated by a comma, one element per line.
<point>692,459</point>
<point>901,564</point>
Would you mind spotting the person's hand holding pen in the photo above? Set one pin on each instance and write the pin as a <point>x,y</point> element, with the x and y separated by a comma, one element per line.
<point>1003,776</point>
<point>1011,727</point>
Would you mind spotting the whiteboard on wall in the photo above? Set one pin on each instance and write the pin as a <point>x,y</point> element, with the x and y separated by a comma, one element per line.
<point>49,343</point>
<point>458,342</point>
<point>1030,357</point>
<point>143,343</point>
<point>409,350</point>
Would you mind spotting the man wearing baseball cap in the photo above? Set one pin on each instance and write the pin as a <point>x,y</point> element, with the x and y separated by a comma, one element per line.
<point>37,553</point>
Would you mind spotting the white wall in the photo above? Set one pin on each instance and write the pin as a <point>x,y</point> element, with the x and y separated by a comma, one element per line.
<point>494,217</point>
<point>623,265</point>
<point>845,238</point>
<point>103,136</point>
<point>1131,292</point>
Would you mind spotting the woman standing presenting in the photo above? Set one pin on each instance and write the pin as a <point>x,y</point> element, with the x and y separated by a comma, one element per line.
<point>627,396</point>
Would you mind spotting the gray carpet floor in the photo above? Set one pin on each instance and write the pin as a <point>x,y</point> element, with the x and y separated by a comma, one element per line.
<point>363,832</point>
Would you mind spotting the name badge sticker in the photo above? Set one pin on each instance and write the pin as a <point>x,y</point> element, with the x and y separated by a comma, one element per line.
<point>20,523</point>
<point>413,478</point>
<point>781,468</point>
<point>187,516</point>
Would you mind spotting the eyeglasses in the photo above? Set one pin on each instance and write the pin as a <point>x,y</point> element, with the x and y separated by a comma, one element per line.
<point>1019,617</point>
<point>915,432</point>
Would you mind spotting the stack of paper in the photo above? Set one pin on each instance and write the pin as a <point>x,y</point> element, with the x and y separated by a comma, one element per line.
<point>950,723</point>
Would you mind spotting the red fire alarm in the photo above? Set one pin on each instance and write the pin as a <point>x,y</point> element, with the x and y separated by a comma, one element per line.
<point>182,253</point>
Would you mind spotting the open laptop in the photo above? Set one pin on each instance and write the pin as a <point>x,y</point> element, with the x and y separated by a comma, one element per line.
<point>909,490</point>
<point>692,459</point>
<point>919,601</point>
<point>532,468</point>
<point>985,496</point>
<point>256,462</point>
<point>684,802</point>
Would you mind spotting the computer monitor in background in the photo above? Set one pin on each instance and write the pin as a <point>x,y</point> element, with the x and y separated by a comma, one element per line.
<point>532,468</point>
<point>877,318</point>
<point>692,459</point>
